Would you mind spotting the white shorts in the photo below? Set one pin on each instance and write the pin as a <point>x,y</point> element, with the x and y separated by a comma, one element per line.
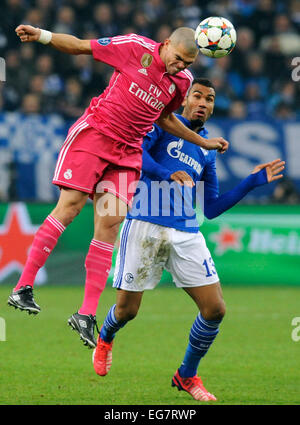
<point>146,249</point>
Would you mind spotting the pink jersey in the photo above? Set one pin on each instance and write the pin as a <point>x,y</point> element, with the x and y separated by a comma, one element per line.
<point>138,91</point>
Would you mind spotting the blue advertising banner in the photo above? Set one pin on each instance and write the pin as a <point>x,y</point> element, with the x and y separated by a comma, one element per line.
<point>29,146</point>
<point>253,142</point>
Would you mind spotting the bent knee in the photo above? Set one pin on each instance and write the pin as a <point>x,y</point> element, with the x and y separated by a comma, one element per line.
<point>73,211</point>
<point>125,314</point>
<point>215,311</point>
<point>110,222</point>
<point>67,212</point>
<point>107,228</point>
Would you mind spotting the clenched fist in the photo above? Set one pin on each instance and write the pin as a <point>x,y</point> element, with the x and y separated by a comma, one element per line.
<point>28,33</point>
<point>218,143</point>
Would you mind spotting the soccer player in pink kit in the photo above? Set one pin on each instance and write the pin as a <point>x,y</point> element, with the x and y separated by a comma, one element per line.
<point>102,155</point>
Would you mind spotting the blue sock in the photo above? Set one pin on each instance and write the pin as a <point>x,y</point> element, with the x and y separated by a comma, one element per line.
<point>202,335</point>
<point>110,325</point>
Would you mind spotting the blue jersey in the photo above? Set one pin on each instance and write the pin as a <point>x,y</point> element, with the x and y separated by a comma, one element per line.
<point>159,199</point>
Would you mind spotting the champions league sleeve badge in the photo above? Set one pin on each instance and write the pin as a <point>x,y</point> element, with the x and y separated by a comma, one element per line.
<point>104,41</point>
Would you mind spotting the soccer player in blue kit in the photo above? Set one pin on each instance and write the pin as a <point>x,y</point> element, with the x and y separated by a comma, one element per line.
<point>155,236</point>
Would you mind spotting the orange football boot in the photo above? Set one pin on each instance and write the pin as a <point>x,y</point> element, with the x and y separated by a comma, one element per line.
<point>193,386</point>
<point>102,357</point>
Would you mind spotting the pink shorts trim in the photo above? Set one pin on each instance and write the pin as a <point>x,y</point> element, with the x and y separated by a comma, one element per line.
<point>66,146</point>
<point>71,186</point>
<point>118,195</point>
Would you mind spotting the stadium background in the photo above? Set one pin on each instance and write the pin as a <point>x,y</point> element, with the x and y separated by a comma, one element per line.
<point>257,109</point>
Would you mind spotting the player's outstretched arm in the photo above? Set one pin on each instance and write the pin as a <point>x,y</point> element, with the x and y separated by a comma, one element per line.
<point>214,205</point>
<point>64,42</point>
<point>173,125</point>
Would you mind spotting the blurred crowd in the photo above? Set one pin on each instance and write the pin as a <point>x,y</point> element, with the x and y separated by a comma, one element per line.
<point>254,81</point>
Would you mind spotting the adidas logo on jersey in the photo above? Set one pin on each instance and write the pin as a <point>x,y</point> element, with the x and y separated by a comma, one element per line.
<point>143,71</point>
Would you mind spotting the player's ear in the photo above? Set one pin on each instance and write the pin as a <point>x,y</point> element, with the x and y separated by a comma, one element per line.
<point>184,102</point>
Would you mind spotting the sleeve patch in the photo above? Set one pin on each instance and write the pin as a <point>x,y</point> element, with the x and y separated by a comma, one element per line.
<point>104,41</point>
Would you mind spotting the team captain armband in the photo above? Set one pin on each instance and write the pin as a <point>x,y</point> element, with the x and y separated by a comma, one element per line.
<point>45,37</point>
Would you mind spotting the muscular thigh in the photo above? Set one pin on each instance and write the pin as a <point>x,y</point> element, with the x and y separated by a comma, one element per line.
<point>69,205</point>
<point>113,195</point>
<point>144,250</point>
<point>209,300</point>
<point>190,262</point>
<point>109,212</point>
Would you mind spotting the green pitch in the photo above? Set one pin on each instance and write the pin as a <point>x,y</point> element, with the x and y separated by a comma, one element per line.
<point>254,359</point>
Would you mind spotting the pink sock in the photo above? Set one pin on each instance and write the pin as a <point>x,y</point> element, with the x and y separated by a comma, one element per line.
<point>98,263</point>
<point>44,241</point>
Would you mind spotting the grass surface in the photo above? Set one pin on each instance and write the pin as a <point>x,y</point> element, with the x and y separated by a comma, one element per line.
<point>253,360</point>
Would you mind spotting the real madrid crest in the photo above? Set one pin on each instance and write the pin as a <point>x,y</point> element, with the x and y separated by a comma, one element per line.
<point>171,88</point>
<point>146,60</point>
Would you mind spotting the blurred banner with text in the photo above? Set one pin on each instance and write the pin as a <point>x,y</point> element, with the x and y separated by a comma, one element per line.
<point>29,147</point>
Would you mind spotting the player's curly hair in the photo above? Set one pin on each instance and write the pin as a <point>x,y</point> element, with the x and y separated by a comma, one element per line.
<point>204,82</point>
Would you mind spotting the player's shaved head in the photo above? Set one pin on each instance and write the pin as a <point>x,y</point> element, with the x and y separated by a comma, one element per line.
<point>179,50</point>
<point>186,37</point>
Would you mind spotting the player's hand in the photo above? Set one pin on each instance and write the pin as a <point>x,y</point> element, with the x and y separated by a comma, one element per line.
<point>218,143</point>
<point>273,169</point>
<point>182,178</point>
<point>28,33</point>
